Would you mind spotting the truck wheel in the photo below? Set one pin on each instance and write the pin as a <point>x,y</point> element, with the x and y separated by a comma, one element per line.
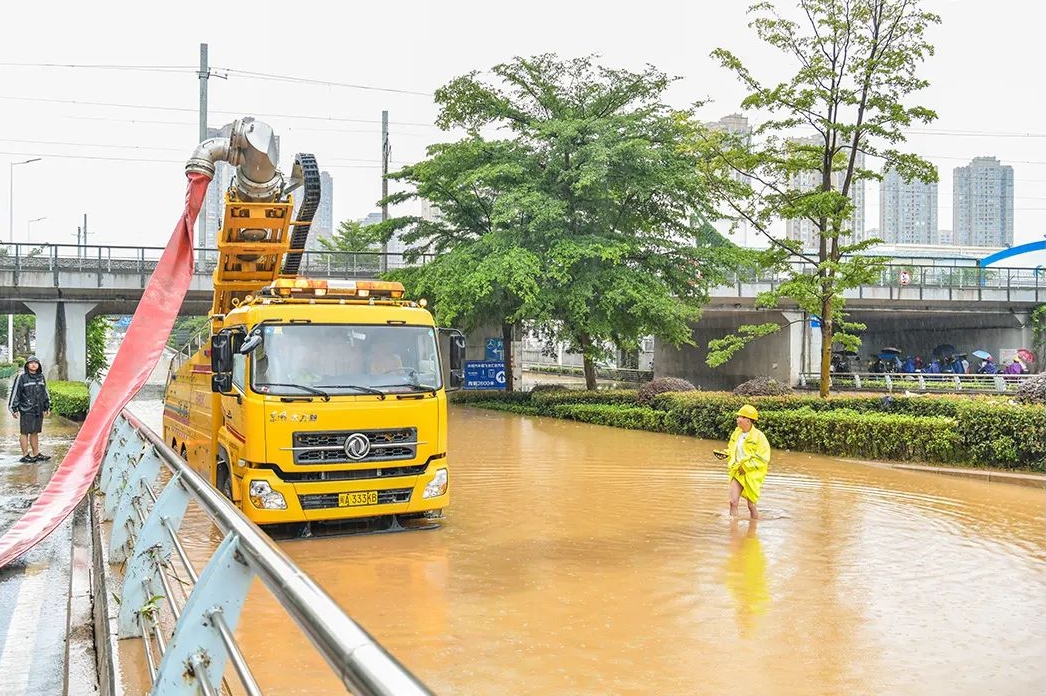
<point>224,480</point>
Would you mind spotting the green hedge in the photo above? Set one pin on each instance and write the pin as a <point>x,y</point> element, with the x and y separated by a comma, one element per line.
<point>8,370</point>
<point>867,435</point>
<point>583,396</point>
<point>979,430</point>
<point>631,417</point>
<point>69,399</point>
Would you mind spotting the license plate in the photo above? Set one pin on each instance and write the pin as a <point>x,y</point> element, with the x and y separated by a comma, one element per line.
<point>353,499</point>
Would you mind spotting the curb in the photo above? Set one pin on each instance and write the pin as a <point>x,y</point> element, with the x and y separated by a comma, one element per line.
<point>81,666</point>
<point>1013,478</point>
<point>105,615</point>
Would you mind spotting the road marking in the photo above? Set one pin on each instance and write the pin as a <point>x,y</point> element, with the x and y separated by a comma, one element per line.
<point>18,650</point>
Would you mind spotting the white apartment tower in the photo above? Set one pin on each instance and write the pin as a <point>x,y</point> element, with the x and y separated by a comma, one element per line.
<point>907,210</point>
<point>982,204</point>
<point>804,230</point>
<point>743,234</point>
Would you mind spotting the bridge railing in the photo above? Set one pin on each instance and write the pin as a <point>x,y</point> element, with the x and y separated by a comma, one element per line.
<point>107,260</point>
<point>192,658</point>
<point>944,382</point>
<point>103,260</point>
<point>914,276</point>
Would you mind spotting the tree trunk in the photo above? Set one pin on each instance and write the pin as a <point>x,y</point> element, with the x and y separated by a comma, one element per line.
<point>590,367</point>
<point>826,345</point>
<point>506,342</point>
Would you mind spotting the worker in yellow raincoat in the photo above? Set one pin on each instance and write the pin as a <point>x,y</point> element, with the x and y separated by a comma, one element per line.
<point>748,456</point>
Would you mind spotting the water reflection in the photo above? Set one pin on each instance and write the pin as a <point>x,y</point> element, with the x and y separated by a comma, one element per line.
<point>746,575</point>
<point>578,559</point>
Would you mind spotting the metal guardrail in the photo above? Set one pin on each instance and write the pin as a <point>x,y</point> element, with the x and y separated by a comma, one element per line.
<point>193,658</point>
<point>917,381</point>
<point>104,261</point>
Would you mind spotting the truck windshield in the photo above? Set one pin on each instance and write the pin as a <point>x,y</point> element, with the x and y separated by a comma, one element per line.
<point>296,359</point>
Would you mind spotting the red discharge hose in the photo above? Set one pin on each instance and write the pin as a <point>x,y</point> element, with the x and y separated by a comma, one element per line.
<point>134,362</point>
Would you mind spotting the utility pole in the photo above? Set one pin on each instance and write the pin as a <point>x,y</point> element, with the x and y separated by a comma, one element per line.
<point>385,150</point>
<point>81,239</point>
<point>201,221</point>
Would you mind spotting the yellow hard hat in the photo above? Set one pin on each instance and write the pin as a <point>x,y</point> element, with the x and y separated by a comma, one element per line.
<point>749,412</point>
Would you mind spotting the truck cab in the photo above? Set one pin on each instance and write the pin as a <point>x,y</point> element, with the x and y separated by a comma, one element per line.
<point>320,401</point>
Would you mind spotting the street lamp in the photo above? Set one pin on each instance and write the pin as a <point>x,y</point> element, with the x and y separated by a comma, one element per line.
<point>11,234</point>
<point>30,222</point>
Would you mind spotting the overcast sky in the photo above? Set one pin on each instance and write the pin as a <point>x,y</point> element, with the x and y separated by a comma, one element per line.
<point>114,141</point>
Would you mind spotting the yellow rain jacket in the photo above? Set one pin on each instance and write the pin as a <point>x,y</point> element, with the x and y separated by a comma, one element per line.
<point>750,470</point>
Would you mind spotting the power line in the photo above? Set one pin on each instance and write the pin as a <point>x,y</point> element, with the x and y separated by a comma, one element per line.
<point>249,74</point>
<point>97,66</point>
<point>975,133</point>
<point>149,107</point>
<point>307,129</point>
<point>121,147</point>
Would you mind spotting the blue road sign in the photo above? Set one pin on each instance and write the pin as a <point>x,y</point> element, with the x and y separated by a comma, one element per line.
<point>495,349</point>
<point>484,374</point>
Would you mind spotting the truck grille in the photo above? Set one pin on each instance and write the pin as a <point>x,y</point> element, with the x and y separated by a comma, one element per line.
<point>329,447</point>
<point>321,501</point>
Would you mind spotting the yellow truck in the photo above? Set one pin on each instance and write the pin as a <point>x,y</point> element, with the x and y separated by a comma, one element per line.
<point>311,400</point>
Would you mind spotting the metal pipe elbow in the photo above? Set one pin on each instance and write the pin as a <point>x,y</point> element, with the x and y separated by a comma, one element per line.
<point>206,154</point>
<point>252,148</point>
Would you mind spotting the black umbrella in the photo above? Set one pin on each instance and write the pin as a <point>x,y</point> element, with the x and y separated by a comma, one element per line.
<point>890,349</point>
<point>944,350</point>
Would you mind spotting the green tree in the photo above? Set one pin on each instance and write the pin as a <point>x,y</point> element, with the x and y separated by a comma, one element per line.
<point>351,236</point>
<point>24,325</point>
<point>580,220</point>
<point>855,65</point>
<point>97,335</point>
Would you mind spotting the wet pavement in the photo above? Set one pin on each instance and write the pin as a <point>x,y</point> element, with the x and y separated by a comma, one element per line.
<point>584,560</point>
<point>34,589</point>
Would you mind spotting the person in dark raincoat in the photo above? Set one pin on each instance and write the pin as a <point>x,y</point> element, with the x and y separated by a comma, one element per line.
<point>30,402</point>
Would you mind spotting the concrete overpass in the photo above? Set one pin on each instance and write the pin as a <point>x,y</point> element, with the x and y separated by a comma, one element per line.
<point>915,307</point>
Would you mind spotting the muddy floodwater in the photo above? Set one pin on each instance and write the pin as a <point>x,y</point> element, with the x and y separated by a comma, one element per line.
<point>580,559</point>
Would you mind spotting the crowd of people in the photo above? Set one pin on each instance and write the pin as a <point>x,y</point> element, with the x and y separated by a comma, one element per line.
<point>949,363</point>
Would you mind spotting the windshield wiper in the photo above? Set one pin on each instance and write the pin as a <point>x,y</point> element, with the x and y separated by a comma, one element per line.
<point>303,387</point>
<point>366,390</point>
<point>412,385</point>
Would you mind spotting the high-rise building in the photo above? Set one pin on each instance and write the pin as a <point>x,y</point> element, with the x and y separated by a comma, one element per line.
<point>804,229</point>
<point>740,229</point>
<point>982,203</point>
<point>907,210</point>
<point>214,203</point>
<point>323,219</point>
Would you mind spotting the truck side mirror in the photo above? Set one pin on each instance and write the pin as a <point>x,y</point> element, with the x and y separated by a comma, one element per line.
<point>221,382</point>
<point>457,352</point>
<point>456,363</point>
<point>221,353</point>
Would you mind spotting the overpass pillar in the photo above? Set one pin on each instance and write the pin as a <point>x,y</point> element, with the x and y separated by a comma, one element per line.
<point>61,338</point>
<point>783,355</point>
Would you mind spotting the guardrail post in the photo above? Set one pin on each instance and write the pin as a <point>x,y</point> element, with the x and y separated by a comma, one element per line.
<point>124,459</point>
<point>153,545</point>
<point>922,382</point>
<point>126,524</point>
<point>118,437</point>
<point>1000,383</point>
<point>889,382</point>
<point>197,644</point>
<point>857,380</point>
<point>958,382</point>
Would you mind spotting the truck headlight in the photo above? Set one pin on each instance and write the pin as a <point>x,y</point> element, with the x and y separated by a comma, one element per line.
<point>264,498</point>
<point>437,486</point>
